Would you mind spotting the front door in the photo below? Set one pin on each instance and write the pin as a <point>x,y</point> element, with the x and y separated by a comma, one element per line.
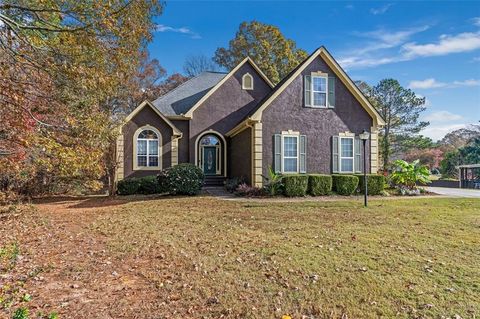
<point>210,160</point>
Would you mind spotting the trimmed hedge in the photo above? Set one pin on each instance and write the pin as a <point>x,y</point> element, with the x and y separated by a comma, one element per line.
<point>345,184</point>
<point>375,184</point>
<point>295,185</point>
<point>138,185</point>
<point>182,179</point>
<point>319,184</point>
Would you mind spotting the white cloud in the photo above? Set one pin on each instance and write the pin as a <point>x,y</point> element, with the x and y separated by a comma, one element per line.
<point>476,21</point>
<point>438,131</point>
<point>431,83</point>
<point>380,10</point>
<point>469,82</point>
<point>350,7</point>
<point>463,42</point>
<point>442,116</point>
<point>380,39</point>
<point>183,30</point>
<point>426,84</point>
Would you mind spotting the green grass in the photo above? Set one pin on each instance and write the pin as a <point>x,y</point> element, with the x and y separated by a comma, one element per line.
<point>397,258</point>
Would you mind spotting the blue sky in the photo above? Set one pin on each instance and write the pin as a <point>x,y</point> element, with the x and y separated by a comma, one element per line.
<point>430,47</point>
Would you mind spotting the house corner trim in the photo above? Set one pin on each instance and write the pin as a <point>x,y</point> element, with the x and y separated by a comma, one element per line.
<point>374,150</point>
<point>120,168</point>
<point>257,154</point>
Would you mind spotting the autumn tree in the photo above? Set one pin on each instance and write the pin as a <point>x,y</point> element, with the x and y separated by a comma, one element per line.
<point>64,64</point>
<point>461,137</point>
<point>274,54</point>
<point>400,108</point>
<point>196,64</point>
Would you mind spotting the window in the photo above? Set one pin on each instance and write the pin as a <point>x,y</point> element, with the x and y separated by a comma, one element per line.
<point>247,81</point>
<point>147,149</point>
<point>316,88</point>
<point>346,155</point>
<point>290,154</point>
<point>319,91</point>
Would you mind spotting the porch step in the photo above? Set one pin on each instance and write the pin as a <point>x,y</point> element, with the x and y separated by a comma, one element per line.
<point>214,181</point>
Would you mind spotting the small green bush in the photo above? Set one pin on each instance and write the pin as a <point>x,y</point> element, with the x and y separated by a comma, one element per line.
<point>139,185</point>
<point>375,184</point>
<point>295,185</point>
<point>149,185</point>
<point>182,179</point>
<point>128,186</point>
<point>345,184</point>
<point>319,184</point>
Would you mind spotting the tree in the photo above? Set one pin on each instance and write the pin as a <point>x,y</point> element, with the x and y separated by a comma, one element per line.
<point>196,64</point>
<point>468,154</point>
<point>64,65</point>
<point>461,137</point>
<point>400,108</point>
<point>274,54</point>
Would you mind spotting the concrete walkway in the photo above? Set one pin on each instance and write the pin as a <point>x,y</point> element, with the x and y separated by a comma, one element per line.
<point>455,192</point>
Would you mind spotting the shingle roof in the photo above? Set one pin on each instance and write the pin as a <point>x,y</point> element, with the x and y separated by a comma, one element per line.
<point>183,97</point>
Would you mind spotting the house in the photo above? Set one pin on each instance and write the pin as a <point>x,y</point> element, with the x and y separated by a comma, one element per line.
<point>239,124</point>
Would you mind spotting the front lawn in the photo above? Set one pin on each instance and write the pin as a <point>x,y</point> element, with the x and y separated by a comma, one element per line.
<point>200,257</point>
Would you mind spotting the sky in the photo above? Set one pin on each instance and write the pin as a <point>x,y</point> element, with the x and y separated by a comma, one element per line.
<point>430,47</point>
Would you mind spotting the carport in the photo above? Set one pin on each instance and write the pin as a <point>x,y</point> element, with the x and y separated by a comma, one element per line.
<point>469,176</point>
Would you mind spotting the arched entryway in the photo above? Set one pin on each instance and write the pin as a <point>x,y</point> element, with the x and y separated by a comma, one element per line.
<point>211,153</point>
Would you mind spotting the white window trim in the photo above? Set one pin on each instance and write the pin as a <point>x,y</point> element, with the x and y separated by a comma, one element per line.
<point>244,87</point>
<point>312,92</point>
<point>136,167</point>
<point>340,157</point>
<point>297,136</point>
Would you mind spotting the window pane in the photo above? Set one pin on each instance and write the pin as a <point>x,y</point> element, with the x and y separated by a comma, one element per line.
<point>209,140</point>
<point>319,99</point>
<point>347,164</point>
<point>347,147</point>
<point>153,161</point>
<point>153,147</point>
<point>319,84</point>
<point>290,146</point>
<point>141,160</point>
<point>290,165</point>
<point>148,134</point>
<point>141,147</point>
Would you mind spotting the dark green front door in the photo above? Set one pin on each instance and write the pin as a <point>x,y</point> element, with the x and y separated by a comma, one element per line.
<point>210,160</point>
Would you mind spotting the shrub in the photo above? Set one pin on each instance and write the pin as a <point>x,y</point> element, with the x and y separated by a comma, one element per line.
<point>295,185</point>
<point>149,185</point>
<point>232,184</point>
<point>249,191</point>
<point>181,179</point>
<point>273,182</point>
<point>345,184</point>
<point>375,184</point>
<point>139,185</point>
<point>319,184</point>
<point>128,186</point>
<point>408,174</point>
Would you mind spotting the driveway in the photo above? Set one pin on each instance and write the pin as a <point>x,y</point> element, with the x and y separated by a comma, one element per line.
<point>455,192</point>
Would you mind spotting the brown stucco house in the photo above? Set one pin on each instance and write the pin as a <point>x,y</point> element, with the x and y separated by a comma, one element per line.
<point>238,124</point>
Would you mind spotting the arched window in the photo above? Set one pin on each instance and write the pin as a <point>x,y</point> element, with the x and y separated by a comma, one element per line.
<point>147,149</point>
<point>247,81</point>
<point>210,140</point>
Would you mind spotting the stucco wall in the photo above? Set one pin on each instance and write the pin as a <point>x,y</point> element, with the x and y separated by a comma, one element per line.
<point>145,117</point>
<point>240,157</point>
<point>287,112</point>
<point>225,108</point>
